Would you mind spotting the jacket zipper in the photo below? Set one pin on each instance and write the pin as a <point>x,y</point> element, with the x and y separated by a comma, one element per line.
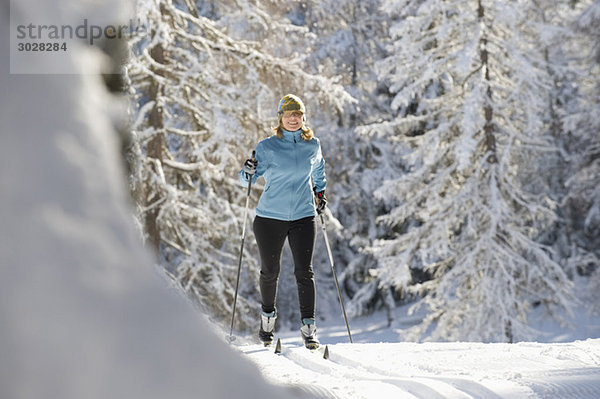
<point>293,191</point>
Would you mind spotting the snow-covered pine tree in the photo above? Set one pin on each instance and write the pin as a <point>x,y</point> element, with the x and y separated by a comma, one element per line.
<point>570,117</point>
<point>179,157</point>
<point>552,171</point>
<point>580,112</point>
<point>206,79</point>
<point>471,86</point>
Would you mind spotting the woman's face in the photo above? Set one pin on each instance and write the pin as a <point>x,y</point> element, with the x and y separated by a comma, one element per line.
<point>291,120</point>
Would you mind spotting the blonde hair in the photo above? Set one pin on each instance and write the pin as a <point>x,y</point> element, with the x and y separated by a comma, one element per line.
<point>307,133</point>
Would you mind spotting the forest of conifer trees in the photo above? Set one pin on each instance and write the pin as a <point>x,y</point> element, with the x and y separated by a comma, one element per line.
<point>461,139</point>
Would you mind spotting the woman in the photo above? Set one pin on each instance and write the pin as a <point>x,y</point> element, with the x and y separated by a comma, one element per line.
<point>294,171</point>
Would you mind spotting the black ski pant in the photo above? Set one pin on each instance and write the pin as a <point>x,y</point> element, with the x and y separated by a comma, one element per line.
<point>270,236</point>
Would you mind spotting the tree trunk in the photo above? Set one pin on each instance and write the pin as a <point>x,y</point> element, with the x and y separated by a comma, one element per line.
<point>490,139</point>
<point>155,149</point>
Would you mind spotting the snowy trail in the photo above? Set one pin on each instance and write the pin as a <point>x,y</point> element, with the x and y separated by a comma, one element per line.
<point>436,370</point>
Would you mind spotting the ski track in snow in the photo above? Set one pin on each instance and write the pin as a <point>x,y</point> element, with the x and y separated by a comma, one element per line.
<point>436,370</point>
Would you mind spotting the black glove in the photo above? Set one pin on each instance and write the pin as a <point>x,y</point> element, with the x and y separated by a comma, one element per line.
<point>250,167</point>
<point>321,201</point>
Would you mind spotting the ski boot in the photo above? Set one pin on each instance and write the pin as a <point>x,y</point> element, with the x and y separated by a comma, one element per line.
<point>309,334</point>
<point>267,327</point>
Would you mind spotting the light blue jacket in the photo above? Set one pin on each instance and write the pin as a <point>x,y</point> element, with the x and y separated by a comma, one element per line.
<point>291,167</point>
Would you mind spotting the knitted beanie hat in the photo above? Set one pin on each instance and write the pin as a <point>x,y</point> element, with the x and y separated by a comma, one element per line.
<point>291,102</point>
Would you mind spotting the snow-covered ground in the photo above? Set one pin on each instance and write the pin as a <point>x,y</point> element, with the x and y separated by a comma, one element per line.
<point>377,366</point>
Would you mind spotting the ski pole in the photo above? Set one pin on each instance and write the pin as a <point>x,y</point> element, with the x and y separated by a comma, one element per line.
<point>237,283</point>
<point>337,285</point>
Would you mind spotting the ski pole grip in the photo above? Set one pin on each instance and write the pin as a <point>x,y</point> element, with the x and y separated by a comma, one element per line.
<point>250,180</point>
